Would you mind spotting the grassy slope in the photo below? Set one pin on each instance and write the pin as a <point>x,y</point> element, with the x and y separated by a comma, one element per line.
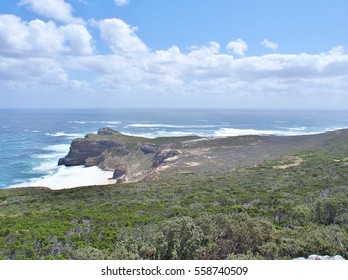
<point>256,212</point>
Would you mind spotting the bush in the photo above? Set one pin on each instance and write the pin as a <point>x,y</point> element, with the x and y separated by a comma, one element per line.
<point>332,210</point>
<point>181,239</point>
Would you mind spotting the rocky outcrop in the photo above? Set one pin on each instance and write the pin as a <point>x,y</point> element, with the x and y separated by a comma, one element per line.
<point>126,156</point>
<point>162,156</point>
<point>107,131</point>
<point>149,149</point>
<point>90,151</point>
<point>93,161</point>
<point>119,171</point>
<point>136,158</point>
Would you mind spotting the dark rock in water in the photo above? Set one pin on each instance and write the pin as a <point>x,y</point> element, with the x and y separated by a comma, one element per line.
<point>107,131</point>
<point>161,156</point>
<point>83,148</point>
<point>120,170</point>
<point>149,149</point>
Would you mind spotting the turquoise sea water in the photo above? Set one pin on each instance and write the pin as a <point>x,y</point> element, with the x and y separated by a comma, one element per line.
<point>33,140</point>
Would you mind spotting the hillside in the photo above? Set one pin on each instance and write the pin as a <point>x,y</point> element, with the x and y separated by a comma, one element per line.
<point>135,158</point>
<point>250,197</point>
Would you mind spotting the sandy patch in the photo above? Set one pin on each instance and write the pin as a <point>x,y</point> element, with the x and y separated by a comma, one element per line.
<point>192,164</point>
<point>296,162</point>
<point>171,159</point>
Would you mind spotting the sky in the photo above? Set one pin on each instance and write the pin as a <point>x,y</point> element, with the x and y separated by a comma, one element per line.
<point>174,54</point>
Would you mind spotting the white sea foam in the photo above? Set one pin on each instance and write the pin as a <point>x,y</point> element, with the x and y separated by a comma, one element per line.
<point>96,122</point>
<point>59,148</point>
<point>54,151</point>
<point>47,166</point>
<point>156,134</point>
<point>302,128</point>
<point>50,159</point>
<point>240,132</point>
<point>111,122</point>
<point>71,177</point>
<point>105,122</point>
<point>47,156</point>
<point>77,122</point>
<point>63,134</point>
<point>152,125</point>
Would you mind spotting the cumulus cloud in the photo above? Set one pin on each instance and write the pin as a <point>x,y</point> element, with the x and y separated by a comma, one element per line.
<point>339,50</point>
<point>39,38</point>
<point>238,46</point>
<point>269,45</point>
<point>35,73</point>
<point>53,9</point>
<point>41,55</point>
<point>121,37</point>
<point>121,2</point>
<point>205,70</point>
<point>79,40</point>
<point>29,38</point>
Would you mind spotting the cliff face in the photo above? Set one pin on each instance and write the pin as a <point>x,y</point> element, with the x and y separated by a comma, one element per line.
<point>89,152</point>
<point>135,158</point>
<point>129,157</point>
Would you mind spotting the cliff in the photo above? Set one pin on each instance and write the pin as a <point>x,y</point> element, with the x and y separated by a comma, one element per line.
<point>136,158</point>
<point>131,158</point>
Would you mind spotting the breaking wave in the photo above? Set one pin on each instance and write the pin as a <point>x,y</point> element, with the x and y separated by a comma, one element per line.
<point>71,177</point>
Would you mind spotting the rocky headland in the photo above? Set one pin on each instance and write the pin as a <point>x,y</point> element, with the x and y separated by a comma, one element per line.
<point>230,198</point>
<point>136,158</point>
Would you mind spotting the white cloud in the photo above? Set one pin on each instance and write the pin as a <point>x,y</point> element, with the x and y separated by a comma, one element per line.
<point>42,56</point>
<point>39,38</point>
<point>29,38</point>
<point>121,2</point>
<point>35,70</point>
<point>54,9</point>
<point>269,45</point>
<point>121,37</point>
<point>78,39</point>
<point>206,71</point>
<point>339,50</point>
<point>238,46</point>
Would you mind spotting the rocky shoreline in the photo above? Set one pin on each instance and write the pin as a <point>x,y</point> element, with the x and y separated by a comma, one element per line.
<point>135,158</point>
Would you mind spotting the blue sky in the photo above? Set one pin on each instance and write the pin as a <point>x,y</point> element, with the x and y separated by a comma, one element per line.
<point>183,53</point>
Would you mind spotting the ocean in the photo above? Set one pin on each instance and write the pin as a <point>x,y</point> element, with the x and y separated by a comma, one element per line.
<point>32,140</point>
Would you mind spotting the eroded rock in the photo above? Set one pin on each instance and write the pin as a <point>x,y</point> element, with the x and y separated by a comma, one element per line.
<point>119,171</point>
<point>161,156</point>
<point>107,131</point>
<point>82,149</point>
<point>149,149</point>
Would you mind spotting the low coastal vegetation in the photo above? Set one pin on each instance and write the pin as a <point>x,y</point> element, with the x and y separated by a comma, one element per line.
<point>294,206</point>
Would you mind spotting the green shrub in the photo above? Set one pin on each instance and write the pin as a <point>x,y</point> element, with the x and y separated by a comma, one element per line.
<point>332,210</point>
<point>181,239</point>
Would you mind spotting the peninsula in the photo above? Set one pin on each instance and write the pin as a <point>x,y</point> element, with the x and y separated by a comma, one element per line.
<point>246,197</point>
<point>134,158</point>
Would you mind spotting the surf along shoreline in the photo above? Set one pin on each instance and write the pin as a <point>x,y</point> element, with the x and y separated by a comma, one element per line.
<point>110,157</point>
